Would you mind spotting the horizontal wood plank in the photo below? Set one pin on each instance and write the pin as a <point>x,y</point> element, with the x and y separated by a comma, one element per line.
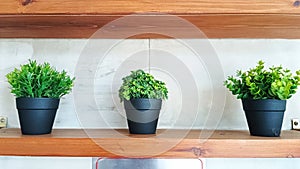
<point>165,144</point>
<point>212,25</point>
<point>141,6</point>
<point>216,19</point>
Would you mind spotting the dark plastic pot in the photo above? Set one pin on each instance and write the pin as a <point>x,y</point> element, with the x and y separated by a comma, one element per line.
<point>36,115</point>
<point>264,117</point>
<point>142,115</point>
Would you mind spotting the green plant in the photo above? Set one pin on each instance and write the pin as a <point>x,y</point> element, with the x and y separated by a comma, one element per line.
<point>39,80</point>
<point>258,83</point>
<point>142,85</point>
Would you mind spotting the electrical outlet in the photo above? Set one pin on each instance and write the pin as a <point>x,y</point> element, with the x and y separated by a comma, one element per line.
<point>3,122</point>
<point>295,124</point>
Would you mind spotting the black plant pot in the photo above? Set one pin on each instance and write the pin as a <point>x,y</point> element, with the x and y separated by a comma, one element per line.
<point>142,115</point>
<point>264,117</point>
<point>36,115</point>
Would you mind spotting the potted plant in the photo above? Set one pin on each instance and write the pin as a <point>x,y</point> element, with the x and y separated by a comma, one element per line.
<point>142,96</point>
<point>38,89</point>
<point>264,93</point>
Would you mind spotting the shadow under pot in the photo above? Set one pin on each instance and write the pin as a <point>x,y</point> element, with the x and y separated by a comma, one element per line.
<point>142,115</point>
<point>264,117</point>
<point>36,115</point>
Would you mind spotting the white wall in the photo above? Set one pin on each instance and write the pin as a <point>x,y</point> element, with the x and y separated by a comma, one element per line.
<point>45,163</point>
<point>174,61</point>
<point>187,66</point>
<point>252,163</point>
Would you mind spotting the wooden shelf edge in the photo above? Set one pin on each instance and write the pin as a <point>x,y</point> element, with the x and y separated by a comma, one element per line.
<point>216,19</point>
<point>166,144</point>
<point>286,26</point>
<point>139,6</point>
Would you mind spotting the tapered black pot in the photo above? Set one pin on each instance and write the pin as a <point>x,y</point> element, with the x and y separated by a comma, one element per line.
<point>264,117</point>
<point>36,115</point>
<point>142,115</point>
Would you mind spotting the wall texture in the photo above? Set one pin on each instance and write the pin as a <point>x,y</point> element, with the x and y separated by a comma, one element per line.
<point>187,66</point>
<point>194,71</point>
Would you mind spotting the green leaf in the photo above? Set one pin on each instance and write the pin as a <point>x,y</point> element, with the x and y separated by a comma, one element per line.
<point>39,80</point>
<point>260,83</point>
<point>142,85</point>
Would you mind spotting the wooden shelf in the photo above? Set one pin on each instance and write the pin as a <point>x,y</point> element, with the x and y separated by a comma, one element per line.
<point>165,144</point>
<point>217,19</point>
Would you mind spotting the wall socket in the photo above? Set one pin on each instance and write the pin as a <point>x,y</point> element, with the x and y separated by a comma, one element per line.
<point>3,122</point>
<point>295,124</point>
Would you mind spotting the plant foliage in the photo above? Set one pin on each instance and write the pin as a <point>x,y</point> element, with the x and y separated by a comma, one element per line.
<point>39,80</point>
<point>258,83</point>
<point>142,85</point>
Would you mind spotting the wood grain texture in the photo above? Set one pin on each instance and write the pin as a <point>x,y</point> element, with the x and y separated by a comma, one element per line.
<point>118,143</point>
<point>212,25</point>
<point>141,6</point>
<point>216,19</point>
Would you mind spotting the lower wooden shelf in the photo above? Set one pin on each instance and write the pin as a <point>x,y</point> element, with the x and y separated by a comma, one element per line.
<point>165,144</point>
